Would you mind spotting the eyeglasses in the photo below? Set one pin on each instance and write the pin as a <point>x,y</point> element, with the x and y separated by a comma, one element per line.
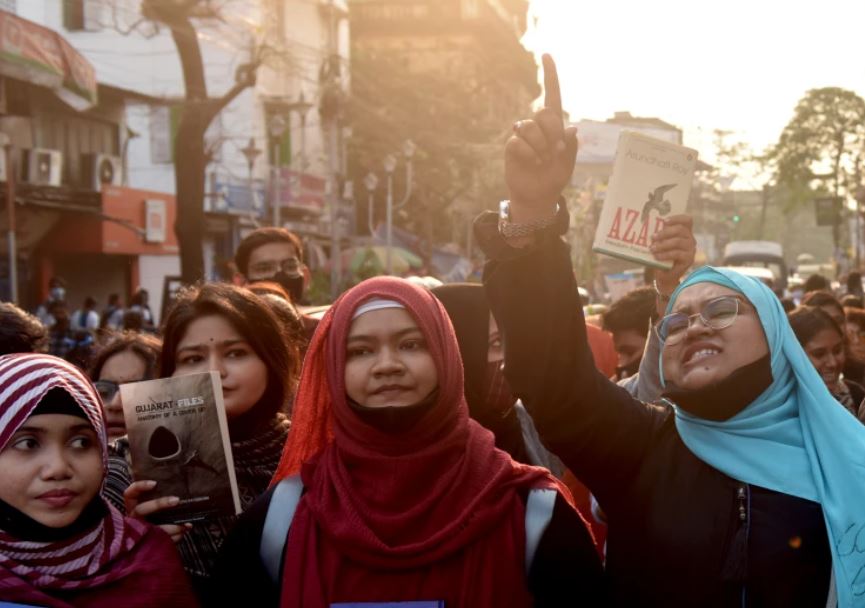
<point>106,389</point>
<point>290,266</point>
<point>718,313</point>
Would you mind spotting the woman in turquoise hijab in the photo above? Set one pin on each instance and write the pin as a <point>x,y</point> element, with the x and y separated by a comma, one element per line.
<point>746,486</point>
<point>793,438</point>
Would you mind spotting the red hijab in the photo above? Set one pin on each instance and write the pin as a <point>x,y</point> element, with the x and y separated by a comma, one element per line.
<point>433,514</point>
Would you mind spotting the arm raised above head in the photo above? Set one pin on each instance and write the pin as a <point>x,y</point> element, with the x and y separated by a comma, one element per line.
<point>598,430</point>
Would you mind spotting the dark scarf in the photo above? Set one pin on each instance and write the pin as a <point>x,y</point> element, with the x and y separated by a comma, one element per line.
<point>724,399</point>
<point>469,312</point>
<point>255,460</point>
<point>20,526</point>
<point>393,420</point>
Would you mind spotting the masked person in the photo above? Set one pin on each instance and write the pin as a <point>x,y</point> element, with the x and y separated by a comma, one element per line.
<point>404,496</point>
<point>745,489</point>
<point>275,254</point>
<point>627,320</point>
<point>490,400</point>
<point>56,295</point>
<point>61,543</point>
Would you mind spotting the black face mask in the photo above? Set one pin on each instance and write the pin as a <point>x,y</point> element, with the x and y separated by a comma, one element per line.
<point>723,400</point>
<point>293,285</point>
<point>626,371</point>
<point>394,420</point>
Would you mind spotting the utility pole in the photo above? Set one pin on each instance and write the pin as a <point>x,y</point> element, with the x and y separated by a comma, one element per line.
<point>764,204</point>
<point>277,128</point>
<point>330,111</point>
<point>10,218</point>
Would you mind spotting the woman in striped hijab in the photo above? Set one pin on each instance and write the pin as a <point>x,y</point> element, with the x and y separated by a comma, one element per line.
<point>61,543</point>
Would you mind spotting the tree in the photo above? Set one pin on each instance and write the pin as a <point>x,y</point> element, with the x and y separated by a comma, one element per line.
<point>457,112</point>
<point>822,146</point>
<point>197,112</point>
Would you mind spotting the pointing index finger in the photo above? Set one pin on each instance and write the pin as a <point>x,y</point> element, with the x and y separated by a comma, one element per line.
<point>553,94</point>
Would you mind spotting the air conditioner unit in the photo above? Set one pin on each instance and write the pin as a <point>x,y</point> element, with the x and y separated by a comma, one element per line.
<point>101,170</point>
<point>42,167</point>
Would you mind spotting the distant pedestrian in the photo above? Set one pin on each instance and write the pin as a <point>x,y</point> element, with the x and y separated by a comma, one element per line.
<point>56,293</point>
<point>275,255</point>
<point>272,254</point>
<point>140,303</point>
<point>61,338</point>
<point>112,316</point>
<point>86,318</point>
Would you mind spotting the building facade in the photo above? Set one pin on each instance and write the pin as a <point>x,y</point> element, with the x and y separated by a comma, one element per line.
<point>262,150</point>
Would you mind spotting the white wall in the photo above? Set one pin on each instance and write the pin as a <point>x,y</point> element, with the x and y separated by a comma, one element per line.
<point>146,61</point>
<point>142,172</point>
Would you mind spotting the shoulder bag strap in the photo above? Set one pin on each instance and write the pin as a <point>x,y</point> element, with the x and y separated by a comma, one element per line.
<point>539,513</point>
<point>280,512</point>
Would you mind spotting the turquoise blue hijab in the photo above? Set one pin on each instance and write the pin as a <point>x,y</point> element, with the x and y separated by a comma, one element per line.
<point>795,438</point>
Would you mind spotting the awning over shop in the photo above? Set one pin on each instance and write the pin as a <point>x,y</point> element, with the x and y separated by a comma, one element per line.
<point>36,54</point>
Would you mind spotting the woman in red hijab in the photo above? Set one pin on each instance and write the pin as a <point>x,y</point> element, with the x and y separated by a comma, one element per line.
<point>405,498</point>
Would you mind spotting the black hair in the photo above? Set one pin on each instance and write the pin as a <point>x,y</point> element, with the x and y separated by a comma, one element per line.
<point>851,301</point>
<point>822,298</point>
<point>254,320</point>
<point>789,304</point>
<point>816,282</point>
<point>263,236</point>
<point>808,321</point>
<point>20,332</point>
<point>145,346</point>
<point>632,312</point>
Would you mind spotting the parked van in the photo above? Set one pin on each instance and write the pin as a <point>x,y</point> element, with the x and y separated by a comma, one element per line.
<point>760,254</point>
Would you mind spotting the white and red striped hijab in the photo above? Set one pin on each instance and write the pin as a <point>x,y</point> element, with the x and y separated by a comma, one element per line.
<point>87,559</point>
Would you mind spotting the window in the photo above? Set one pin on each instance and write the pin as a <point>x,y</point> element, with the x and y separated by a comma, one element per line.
<point>81,15</point>
<point>163,130</point>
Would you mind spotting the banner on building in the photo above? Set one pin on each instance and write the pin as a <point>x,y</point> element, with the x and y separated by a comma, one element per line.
<point>36,54</point>
<point>599,140</point>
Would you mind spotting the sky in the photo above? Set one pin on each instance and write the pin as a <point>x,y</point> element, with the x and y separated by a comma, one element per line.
<point>736,65</point>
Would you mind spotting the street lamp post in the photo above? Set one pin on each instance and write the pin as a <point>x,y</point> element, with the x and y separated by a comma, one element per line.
<point>302,107</point>
<point>276,127</point>
<point>371,183</point>
<point>251,152</point>
<point>389,167</point>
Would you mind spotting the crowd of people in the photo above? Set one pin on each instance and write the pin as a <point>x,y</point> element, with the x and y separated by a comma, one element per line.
<point>468,445</point>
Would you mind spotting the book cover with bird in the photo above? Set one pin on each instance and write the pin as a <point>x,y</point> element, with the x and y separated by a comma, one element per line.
<point>178,437</point>
<point>651,181</point>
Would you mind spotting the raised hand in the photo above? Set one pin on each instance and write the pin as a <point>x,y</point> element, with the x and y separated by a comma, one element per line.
<point>674,243</point>
<point>540,155</point>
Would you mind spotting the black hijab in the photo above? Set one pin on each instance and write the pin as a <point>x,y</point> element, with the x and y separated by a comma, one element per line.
<point>469,312</point>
